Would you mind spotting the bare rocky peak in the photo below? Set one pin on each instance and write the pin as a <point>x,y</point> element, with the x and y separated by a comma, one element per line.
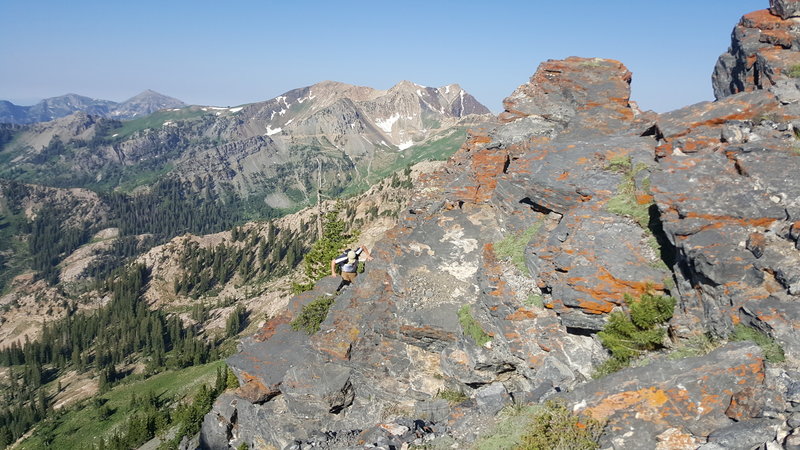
<point>323,95</point>
<point>334,90</point>
<point>356,119</point>
<point>78,125</point>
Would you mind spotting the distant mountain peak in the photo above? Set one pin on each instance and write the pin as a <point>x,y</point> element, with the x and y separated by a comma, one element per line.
<point>405,84</point>
<point>142,104</point>
<point>149,93</point>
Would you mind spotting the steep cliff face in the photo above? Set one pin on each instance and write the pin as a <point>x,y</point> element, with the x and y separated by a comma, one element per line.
<point>512,256</point>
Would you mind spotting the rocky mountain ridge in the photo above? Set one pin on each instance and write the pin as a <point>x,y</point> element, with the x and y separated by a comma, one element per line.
<point>142,104</point>
<point>599,202</point>
<point>278,151</point>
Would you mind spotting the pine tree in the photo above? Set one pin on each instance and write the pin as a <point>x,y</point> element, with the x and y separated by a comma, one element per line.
<point>231,381</point>
<point>234,322</point>
<point>334,239</point>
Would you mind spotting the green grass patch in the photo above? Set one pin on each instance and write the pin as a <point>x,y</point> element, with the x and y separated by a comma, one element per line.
<point>513,246</point>
<point>453,396</point>
<point>620,163</point>
<point>154,121</point>
<point>471,326</point>
<point>546,426</point>
<point>773,352</point>
<point>535,300</point>
<point>699,345</point>
<point>82,426</point>
<point>625,203</point>
<point>794,71</point>
<point>312,315</point>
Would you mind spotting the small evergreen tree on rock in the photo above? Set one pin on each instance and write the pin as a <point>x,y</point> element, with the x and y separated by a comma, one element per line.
<point>627,335</point>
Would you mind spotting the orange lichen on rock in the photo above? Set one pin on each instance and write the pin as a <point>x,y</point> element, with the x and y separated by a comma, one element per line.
<point>762,222</point>
<point>522,314</point>
<point>338,344</point>
<point>607,291</point>
<point>270,328</point>
<point>645,402</point>
<point>765,20</point>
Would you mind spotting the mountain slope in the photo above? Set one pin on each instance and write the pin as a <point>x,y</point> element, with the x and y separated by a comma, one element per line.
<point>264,257</point>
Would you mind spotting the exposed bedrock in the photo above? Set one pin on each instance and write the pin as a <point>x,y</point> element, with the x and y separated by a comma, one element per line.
<point>510,258</point>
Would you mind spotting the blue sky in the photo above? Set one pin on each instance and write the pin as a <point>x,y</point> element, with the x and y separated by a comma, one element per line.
<point>230,53</point>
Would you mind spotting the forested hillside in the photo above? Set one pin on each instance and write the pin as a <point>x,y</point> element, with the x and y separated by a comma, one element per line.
<point>146,307</point>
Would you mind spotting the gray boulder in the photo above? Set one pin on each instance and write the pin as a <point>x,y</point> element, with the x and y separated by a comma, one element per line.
<point>492,398</point>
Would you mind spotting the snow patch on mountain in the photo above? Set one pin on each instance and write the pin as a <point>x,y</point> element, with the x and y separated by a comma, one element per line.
<point>386,124</point>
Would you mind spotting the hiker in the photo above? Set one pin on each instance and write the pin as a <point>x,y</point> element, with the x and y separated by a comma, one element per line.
<point>348,261</point>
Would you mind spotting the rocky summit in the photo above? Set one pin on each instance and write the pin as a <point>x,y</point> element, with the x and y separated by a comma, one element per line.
<point>512,257</point>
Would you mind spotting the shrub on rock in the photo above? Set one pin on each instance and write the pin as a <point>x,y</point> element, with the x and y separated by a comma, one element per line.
<point>627,335</point>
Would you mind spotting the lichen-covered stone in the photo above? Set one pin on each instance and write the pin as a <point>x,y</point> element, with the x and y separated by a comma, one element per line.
<point>690,395</point>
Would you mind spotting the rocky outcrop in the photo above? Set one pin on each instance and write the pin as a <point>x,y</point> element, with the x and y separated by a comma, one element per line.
<point>397,337</point>
<point>511,257</point>
<point>787,9</point>
<point>763,52</point>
